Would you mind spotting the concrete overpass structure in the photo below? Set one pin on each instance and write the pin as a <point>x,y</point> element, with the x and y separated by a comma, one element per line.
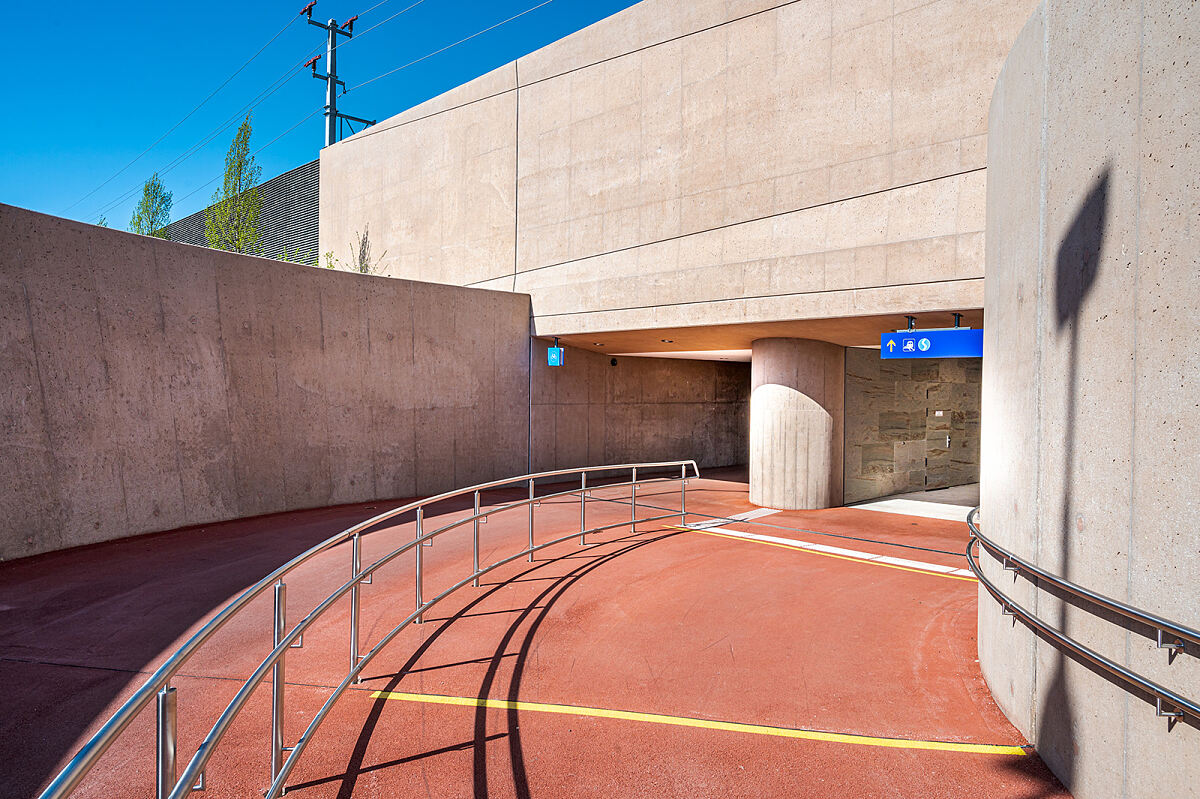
<point>695,177</point>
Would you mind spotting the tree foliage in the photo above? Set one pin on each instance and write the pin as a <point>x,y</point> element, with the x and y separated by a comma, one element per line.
<point>231,223</point>
<point>153,211</point>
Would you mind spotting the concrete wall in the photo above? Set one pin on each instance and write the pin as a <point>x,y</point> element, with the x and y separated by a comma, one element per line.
<point>589,411</point>
<point>1090,418</point>
<point>895,436</point>
<point>150,385</point>
<point>701,162</point>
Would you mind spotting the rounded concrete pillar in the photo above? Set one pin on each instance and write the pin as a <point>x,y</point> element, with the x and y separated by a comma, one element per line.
<point>796,417</point>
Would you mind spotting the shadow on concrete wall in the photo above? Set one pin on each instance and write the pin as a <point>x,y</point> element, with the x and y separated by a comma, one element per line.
<point>1076,269</point>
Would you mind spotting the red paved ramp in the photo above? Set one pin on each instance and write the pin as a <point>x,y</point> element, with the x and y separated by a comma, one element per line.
<point>831,654</point>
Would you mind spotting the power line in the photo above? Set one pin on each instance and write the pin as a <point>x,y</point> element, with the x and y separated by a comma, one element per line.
<point>311,114</point>
<point>363,33</point>
<point>186,117</point>
<point>447,47</point>
<point>262,96</point>
<point>195,148</point>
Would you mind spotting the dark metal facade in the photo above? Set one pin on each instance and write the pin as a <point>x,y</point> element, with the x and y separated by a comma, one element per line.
<point>287,222</point>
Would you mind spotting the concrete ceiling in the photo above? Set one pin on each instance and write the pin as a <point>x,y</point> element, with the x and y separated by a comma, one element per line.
<point>732,342</point>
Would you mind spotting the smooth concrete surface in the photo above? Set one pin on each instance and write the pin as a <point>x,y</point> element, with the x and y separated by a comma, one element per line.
<point>150,385</point>
<point>590,411</point>
<point>918,507</point>
<point>684,164</point>
<point>1090,420</point>
<point>796,423</point>
<point>911,424</point>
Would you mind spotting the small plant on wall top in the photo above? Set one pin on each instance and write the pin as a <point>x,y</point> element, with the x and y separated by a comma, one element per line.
<point>360,258</point>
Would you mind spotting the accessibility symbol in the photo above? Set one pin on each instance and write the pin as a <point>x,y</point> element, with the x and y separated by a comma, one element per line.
<point>923,344</point>
<point>909,345</point>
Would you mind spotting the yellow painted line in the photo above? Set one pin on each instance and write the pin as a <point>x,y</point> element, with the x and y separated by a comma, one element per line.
<point>707,724</point>
<point>826,554</point>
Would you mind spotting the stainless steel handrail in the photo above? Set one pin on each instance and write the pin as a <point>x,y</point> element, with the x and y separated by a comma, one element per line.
<point>1161,693</point>
<point>1145,617</point>
<point>158,684</point>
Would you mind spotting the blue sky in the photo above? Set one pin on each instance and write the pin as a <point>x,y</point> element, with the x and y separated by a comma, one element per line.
<point>97,83</point>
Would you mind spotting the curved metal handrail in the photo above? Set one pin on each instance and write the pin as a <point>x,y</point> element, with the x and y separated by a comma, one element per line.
<point>158,682</point>
<point>1161,694</point>
<point>1128,611</point>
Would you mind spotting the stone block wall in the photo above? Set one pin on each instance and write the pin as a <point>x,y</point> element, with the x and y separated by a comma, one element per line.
<point>898,414</point>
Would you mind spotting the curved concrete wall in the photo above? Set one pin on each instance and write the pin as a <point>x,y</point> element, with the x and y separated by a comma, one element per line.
<point>697,162</point>
<point>796,422</point>
<point>150,385</point>
<point>1091,428</point>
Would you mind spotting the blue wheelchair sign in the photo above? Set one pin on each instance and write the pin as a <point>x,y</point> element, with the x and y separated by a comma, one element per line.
<point>958,342</point>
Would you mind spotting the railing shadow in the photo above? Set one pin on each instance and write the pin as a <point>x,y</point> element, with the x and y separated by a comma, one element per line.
<point>531,617</point>
<point>119,602</point>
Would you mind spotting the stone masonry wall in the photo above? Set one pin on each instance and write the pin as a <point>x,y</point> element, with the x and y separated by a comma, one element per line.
<point>898,413</point>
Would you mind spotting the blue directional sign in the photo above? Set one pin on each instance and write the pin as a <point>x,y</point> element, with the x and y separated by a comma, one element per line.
<point>554,356</point>
<point>958,342</point>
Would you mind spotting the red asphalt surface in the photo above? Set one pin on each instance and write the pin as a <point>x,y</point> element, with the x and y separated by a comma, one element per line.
<point>661,621</point>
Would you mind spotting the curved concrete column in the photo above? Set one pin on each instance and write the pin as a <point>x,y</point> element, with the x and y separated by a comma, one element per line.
<point>1090,420</point>
<point>796,416</point>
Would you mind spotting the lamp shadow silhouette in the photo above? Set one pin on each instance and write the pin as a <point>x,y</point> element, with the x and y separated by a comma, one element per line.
<point>1076,270</point>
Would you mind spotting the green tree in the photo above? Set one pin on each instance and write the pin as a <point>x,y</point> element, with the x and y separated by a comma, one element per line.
<point>231,223</point>
<point>153,211</point>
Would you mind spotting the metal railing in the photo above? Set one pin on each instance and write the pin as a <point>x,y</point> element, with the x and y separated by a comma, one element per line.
<point>1167,703</point>
<point>157,686</point>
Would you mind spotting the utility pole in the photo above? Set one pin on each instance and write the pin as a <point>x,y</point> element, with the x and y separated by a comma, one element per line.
<point>331,79</point>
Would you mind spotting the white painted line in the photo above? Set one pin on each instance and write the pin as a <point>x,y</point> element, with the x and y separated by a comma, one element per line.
<point>849,553</point>
<point>744,516</point>
<point>914,507</point>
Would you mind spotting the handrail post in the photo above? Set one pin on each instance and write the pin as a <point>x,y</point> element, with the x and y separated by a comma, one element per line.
<point>355,565</point>
<point>683,495</point>
<point>531,521</point>
<point>633,502</point>
<point>475,543</point>
<point>420,526</point>
<point>165,761</point>
<point>582,508</point>
<point>277,682</point>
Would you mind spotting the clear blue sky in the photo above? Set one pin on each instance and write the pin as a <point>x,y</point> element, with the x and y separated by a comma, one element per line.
<point>94,84</point>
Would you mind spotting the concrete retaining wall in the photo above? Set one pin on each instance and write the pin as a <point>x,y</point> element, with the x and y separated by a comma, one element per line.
<point>1090,418</point>
<point>589,411</point>
<point>150,385</point>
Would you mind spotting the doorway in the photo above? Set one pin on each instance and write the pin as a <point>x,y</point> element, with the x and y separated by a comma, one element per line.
<point>911,425</point>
